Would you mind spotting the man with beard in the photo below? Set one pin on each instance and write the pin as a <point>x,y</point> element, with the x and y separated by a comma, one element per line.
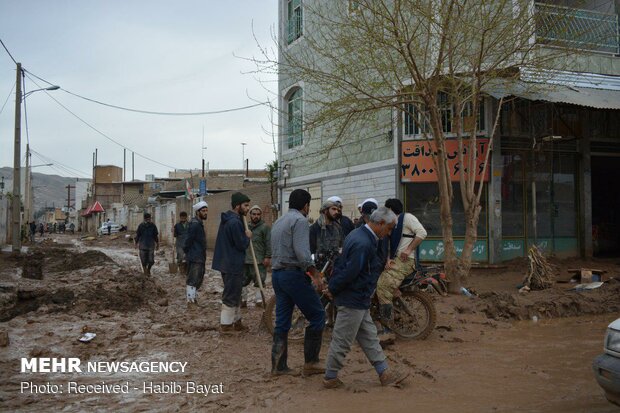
<point>261,241</point>
<point>326,235</point>
<point>228,258</point>
<point>195,251</point>
<point>345,223</point>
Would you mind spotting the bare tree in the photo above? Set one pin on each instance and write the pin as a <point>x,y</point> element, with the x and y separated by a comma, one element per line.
<point>431,61</point>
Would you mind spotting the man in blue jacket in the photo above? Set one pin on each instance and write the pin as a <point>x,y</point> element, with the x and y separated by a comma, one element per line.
<point>352,285</point>
<point>228,258</point>
<point>195,249</point>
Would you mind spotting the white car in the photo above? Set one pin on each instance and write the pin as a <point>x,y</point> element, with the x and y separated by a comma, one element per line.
<point>104,228</point>
<point>607,366</point>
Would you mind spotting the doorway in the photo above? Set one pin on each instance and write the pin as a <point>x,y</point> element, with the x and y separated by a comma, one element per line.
<point>606,206</point>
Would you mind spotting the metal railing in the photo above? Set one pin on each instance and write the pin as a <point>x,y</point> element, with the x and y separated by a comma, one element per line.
<point>576,28</point>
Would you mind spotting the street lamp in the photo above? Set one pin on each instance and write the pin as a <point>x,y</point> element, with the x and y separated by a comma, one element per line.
<point>16,204</point>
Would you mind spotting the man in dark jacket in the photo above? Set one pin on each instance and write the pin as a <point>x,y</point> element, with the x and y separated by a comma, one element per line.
<point>228,258</point>
<point>326,236</point>
<point>147,240</point>
<point>352,284</point>
<point>344,221</point>
<point>195,249</point>
<point>180,233</point>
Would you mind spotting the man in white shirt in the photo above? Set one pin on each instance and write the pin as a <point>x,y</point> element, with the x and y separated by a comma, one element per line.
<point>405,238</point>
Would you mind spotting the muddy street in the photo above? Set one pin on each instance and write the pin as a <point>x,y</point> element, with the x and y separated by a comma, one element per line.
<point>486,354</point>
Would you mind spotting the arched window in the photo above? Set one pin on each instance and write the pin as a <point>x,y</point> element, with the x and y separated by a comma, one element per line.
<point>295,119</point>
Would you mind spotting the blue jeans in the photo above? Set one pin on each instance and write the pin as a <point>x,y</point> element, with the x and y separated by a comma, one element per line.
<point>294,288</point>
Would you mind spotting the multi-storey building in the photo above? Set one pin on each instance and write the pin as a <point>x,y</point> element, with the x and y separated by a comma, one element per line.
<point>553,165</point>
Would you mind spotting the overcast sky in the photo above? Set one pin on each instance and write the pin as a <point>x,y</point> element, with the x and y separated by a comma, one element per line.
<point>151,55</point>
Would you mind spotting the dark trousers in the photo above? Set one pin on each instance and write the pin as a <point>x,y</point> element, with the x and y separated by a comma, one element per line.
<point>233,284</point>
<point>195,274</point>
<point>294,288</point>
<point>147,257</point>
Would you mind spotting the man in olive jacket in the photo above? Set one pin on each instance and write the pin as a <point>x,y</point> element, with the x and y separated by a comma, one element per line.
<point>261,240</point>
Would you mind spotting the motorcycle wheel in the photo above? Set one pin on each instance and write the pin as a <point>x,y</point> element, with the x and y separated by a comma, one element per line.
<point>414,315</point>
<point>298,323</point>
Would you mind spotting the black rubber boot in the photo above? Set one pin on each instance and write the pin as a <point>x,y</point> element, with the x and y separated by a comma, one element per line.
<point>279,355</point>
<point>312,347</point>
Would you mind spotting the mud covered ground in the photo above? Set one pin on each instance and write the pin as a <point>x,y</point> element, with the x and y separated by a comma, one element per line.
<point>486,354</point>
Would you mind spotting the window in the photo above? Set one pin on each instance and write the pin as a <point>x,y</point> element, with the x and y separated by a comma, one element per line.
<point>295,119</point>
<point>416,121</point>
<point>422,200</point>
<point>294,20</point>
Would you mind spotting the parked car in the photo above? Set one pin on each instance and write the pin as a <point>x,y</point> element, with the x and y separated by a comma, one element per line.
<point>104,228</point>
<point>607,365</point>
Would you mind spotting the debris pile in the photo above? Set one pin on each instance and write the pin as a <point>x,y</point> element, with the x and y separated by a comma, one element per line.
<point>541,274</point>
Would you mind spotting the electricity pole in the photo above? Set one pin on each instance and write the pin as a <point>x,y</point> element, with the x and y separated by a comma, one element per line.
<point>16,238</point>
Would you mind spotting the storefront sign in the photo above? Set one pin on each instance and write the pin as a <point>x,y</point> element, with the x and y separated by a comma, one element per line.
<point>433,250</point>
<point>417,163</point>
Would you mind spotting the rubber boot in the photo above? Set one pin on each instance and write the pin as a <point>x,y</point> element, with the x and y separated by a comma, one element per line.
<point>312,348</point>
<point>386,337</point>
<point>279,355</point>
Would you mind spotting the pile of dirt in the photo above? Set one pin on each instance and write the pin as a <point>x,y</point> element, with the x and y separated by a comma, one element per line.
<point>61,259</point>
<point>119,290</point>
<point>550,303</point>
<point>108,288</point>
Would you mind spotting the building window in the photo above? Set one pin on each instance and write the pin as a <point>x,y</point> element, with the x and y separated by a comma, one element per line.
<point>295,19</point>
<point>295,119</point>
<point>422,200</point>
<point>416,121</point>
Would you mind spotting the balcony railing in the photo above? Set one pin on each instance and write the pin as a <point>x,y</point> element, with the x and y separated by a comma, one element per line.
<point>576,28</point>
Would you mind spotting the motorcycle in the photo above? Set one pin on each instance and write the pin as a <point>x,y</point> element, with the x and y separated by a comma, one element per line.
<point>414,314</point>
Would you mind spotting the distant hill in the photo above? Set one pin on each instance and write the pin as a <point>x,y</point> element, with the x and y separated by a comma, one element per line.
<point>49,190</point>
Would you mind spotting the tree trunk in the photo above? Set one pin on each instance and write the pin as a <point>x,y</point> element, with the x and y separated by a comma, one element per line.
<point>471,236</point>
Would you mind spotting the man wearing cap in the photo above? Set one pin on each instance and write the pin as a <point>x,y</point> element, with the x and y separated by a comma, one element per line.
<point>326,236</point>
<point>180,233</point>
<point>368,207</point>
<point>261,240</point>
<point>407,235</point>
<point>345,223</point>
<point>147,240</point>
<point>228,258</point>
<point>195,249</point>
<point>291,261</point>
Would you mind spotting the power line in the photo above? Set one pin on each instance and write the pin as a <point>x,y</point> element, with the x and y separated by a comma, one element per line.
<point>9,53</point>
<point>47,159</point>
<point>8,97</point>
<point>149,112</point>
<point>101,133</point>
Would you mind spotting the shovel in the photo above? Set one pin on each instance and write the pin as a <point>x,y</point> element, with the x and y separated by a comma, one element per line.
<point>256,272</point>
<point>172,265</point>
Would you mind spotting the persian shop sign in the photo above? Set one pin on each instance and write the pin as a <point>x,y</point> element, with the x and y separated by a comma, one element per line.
<point>417,160</point>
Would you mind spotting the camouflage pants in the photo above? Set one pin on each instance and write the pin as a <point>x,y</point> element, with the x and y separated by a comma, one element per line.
<point>390,280</point>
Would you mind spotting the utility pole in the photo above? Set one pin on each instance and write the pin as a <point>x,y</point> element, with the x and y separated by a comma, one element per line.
<point>16,236</point>
<point>69,187</point>
<point>124,164</point>
<point>133,158</point>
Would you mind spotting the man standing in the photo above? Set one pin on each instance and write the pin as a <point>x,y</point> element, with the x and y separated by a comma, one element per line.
<point>109,226</point>
<point>228,258</point>
<point>326,236</point>
<point>195,250</point>
<point>33,230</point>
<point>352,284</point>
<point>368,207</point>
<point>345,223</point>
<point>408,234</point>
<point>180,233</point>
<point>291,260</point>
<point>261,240</point>
<point>147,240</point>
